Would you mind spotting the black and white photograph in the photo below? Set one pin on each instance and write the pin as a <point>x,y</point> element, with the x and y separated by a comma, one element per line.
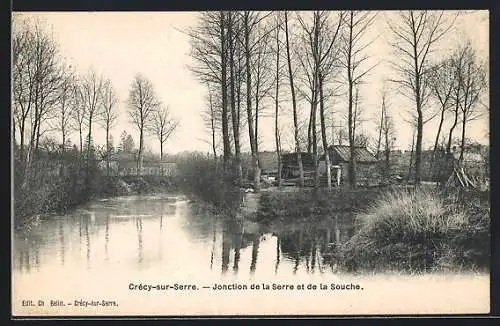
<point>250,163</point>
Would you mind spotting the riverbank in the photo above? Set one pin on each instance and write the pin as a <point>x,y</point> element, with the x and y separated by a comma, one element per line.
<point>298,203</point>
<point>56,201</point>
<point>395,228</point>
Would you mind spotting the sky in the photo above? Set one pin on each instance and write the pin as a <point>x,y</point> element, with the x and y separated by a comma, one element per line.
<point>120,44</point>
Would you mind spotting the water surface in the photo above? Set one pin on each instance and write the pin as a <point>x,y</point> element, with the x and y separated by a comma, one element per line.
<point>100,250</point>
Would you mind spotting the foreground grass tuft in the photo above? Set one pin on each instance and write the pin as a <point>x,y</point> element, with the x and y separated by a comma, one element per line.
<point>418,230</point>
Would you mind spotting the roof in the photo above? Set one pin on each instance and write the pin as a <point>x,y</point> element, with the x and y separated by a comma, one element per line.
<point>343,154</point>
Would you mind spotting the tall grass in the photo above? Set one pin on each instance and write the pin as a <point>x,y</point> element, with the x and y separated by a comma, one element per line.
<point>416,230</point>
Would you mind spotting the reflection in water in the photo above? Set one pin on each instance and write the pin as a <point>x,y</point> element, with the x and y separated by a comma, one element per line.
<point>138,225</point>
<point>226,247</point>
<point>61,238</point>
<point>255,252</point>
<point>213,246</point>
<point>177,235</point>
<point>278,254</point>
<point>106,240</point>
<point>239,239</point>
<point>87,239</point>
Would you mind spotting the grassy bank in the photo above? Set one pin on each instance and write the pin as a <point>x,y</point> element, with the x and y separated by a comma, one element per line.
<point>306,203</point>
<point>419,231</point>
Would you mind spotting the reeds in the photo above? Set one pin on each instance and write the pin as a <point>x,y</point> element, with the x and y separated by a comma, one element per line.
<point>416,230</point>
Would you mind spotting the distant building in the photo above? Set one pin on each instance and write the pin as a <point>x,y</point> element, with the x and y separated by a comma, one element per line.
<point>291,166</point>
<point>366,163</point>
<point>124,164</point>
<point>268,164</point>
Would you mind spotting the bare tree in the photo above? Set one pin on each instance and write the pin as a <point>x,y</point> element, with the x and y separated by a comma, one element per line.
<point>329,57</point>
<point>22,81</point>
<point>142,103</point>
<point>209,49</point>
<point>417,34</point>
<point>389,133</point>
<point>79,112</point>
<point>381,125</point>
<point>233,31</point>
<point>278,17</point>
<point>309,61</point>
<point>66,107</point>
<point>252,39</point>
<point>357,23</point>
<point>163,125</point>
<point>472,82</point>
<point>357,115</point>
<point>36,81</point>
<point>91,87</point>
<point>294,101</point>
<point>109,116</point>
<point>212,119</point>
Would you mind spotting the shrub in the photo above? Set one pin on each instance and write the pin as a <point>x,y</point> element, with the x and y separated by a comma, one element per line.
<point>204,177</point>
<point>417,230</point>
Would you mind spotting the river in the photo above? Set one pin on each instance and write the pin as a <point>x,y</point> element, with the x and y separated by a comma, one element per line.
<point>111,249</point>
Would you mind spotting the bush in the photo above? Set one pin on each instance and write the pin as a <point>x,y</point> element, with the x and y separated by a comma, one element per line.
<point>204,178</point>
<point>418,230</point>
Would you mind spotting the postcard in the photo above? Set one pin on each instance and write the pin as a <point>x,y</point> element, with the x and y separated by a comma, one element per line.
<point>244,163</point>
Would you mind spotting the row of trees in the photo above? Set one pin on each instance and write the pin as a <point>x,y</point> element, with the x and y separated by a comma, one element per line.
<point>49,97</point>
<point>255,60</point>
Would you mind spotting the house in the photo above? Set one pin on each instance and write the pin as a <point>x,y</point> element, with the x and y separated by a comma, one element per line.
<point>126,164</point>
<point>268,162</point>
<point>366,164</point>
<point>290,163</point>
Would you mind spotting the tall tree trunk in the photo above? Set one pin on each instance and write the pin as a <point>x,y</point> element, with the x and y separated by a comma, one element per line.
<point>251,133</point>
<point>212,123</point>
<point>452,128</point>
<point>21,149</point>
<point>80,131</point>
<point>418,147</point>
<point>141,148</point>
<point>436,144</point>
<point>309,133</point>
<point>379,141</point>
<point>161,148</point>
<point>352,158</point>
<point>89,147</point>
<point>411,156</point>
<point>294,105</point>
<point>234,115</point>
<point>315,101</point>
<point>107,150</point>
<point>420,122</point>
<point>438,133</point>
<point>323,134</point>
<point>225,123</point>
<point>462,142</point>
<point>276,108</point>
<point>314,141</point>
<point>387,153</point>
<point>63,150</point>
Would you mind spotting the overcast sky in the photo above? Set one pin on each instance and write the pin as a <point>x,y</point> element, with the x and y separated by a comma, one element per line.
<point>120,44</point>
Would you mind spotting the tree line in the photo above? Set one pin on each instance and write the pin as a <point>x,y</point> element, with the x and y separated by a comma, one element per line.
<point>254,62</point>
<point>49,98</point>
